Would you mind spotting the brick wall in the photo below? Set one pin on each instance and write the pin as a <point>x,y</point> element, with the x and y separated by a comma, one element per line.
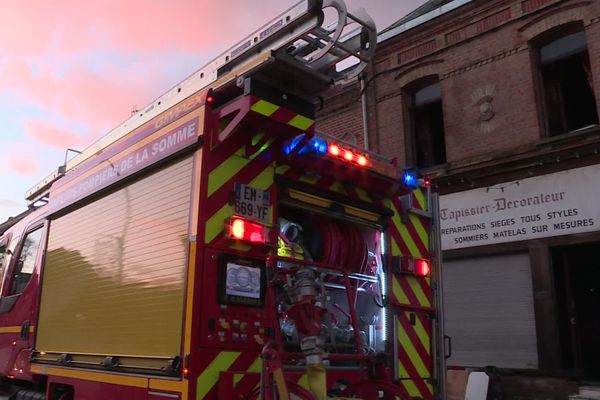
<point>491,107</point>
<point>341,115</point>
<point>482,56</point>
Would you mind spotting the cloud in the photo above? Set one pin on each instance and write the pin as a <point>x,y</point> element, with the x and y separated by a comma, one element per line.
<point>22,165</point>
<point>49,135</point>
<point>87,65</point>
<point>137,25</point>
<point>92,101</point>
<point>90,64</point>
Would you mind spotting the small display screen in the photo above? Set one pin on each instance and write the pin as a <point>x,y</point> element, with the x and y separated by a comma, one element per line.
<point>241,281</point>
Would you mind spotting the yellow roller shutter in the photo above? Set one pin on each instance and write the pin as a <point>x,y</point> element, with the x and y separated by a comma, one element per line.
<point>113,282</point>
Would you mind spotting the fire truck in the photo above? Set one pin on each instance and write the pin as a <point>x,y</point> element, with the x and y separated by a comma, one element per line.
<point>216,245</point>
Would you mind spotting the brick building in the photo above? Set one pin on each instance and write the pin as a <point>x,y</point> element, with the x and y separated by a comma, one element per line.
<point>497,101</point>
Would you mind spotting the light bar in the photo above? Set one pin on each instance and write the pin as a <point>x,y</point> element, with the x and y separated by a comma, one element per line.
<point>318,146</point>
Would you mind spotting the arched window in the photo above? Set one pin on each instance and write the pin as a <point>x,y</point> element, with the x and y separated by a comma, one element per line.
<point>426,142</point>
<point>566,81</point>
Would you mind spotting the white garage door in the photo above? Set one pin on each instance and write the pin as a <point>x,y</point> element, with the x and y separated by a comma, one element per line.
<point>488,307</point>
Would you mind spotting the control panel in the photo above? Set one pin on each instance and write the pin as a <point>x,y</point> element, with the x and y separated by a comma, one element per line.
<point>233,311</point>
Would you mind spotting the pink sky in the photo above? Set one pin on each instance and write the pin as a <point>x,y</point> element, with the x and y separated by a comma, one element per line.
<point>72,70</point>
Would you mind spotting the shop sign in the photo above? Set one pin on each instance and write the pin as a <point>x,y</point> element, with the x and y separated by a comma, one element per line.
<point>557,204</point>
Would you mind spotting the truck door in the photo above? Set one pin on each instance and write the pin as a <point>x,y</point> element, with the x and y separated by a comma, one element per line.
<point>19,300</point>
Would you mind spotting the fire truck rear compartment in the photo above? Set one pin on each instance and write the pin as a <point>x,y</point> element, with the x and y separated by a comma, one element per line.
<point>345,258</point>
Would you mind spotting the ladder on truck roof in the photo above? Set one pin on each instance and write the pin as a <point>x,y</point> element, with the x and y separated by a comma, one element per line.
<point>294,44</point>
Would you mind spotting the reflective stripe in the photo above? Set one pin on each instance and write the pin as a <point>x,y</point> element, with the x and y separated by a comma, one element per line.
<point>227,170</point>
<point>301,122</point>
<point>264,107</point>
<point>419,293</point>
<point>421,231</point>
<point>284,115</point>
<point>399,294</point>
<point>363,195</point>
<point>423,335</point>
<point>170,385</point>
<point>409,241</point>
<point>91,376</point>
<point>411,388</point>
<point>409,347</point>
<point>209,377</point>
<point>215,224</point>
<point>15,329</point>
<point>421,200</point>
<point>338,187</point>
<point>256,365</point>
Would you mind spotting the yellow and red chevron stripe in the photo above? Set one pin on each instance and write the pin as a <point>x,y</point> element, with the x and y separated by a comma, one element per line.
<point>414,353</point>
<point>411,295</point>
<point>410,238</point>
<point>233,166</point>
<point>239,369</point>
<point>281,114</point>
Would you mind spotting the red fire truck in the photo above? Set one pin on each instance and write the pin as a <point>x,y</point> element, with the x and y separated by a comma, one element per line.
<point>217,246</point>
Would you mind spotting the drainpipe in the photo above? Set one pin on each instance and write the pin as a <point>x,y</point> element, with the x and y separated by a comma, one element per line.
<point>363,103</point>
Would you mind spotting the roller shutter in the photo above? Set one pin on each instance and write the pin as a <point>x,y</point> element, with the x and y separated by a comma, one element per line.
<point>489,314</point>
<point>113,281</point>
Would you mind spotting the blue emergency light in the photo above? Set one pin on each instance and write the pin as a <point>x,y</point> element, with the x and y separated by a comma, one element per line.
<point>314,145</point>
<point>409,179</point>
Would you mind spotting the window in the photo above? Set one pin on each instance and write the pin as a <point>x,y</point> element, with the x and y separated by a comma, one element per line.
<point>426,120</point>
<point>9,250</point>
<point>2,252</point>
<point>3,258</point>
<point>26,262</point>
<point>566,80</point>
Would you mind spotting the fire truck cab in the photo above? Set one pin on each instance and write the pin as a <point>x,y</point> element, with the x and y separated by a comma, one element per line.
<point>218,246</point>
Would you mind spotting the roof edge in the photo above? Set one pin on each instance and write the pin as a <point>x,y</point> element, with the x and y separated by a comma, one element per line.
<point>420,20</point>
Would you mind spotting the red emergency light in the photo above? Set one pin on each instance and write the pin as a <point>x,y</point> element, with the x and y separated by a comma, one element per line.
<point>210,97</point>
<point>415,266</point>
<point>242,229</point>
<point>422,267</point>
<point>334,150</point>
<point>347,155</point>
